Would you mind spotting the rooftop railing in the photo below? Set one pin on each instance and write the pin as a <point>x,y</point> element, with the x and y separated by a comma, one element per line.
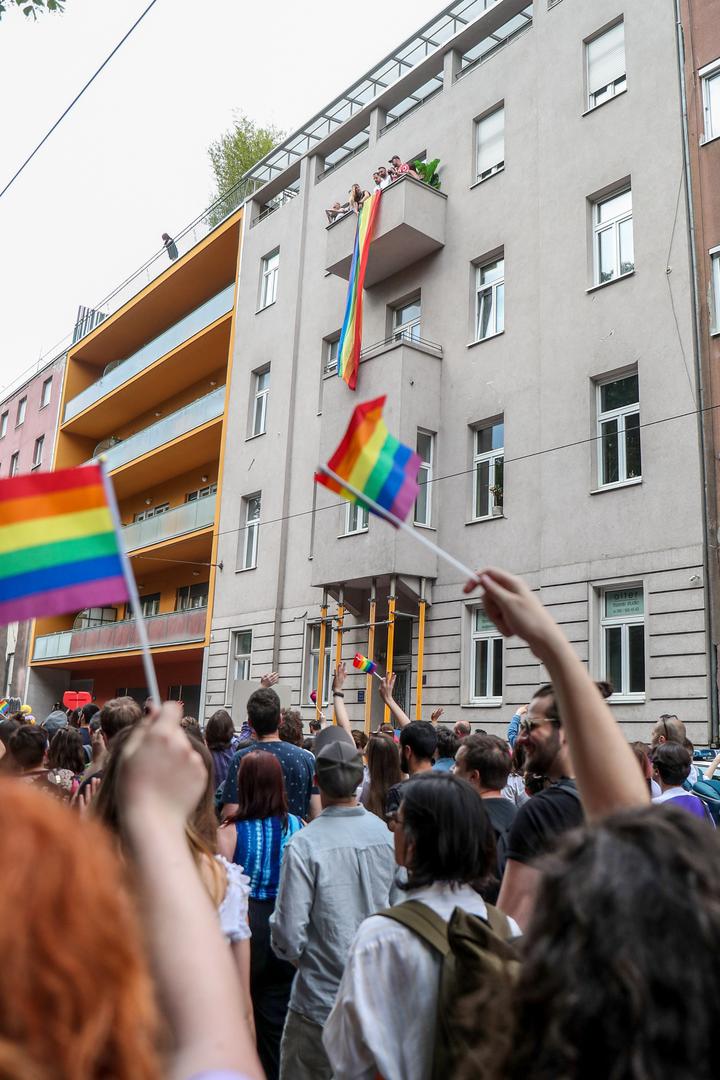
<point>172,628</point>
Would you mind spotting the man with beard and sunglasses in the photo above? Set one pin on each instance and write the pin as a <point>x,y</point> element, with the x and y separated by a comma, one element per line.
<point>546,816</point>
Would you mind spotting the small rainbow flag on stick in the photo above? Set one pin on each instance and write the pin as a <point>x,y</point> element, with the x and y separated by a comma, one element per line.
<point>374,469</point>
<point>364,664</point>
<point>350,342</point>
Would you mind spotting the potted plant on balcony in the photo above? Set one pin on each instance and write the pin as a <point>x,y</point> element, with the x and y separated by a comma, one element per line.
<point>427,170</point>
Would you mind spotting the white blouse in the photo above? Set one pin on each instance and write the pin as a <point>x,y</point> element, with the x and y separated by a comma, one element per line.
<point>233,910</point>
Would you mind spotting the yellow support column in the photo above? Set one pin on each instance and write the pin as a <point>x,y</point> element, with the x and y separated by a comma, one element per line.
<point>421,652</point>
<point>321,655</point>
<point>371,650</point>
<point>390,639</point>
<point>338,640</point>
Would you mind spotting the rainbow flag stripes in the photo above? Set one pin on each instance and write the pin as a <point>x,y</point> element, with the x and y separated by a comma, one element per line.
<point>362,663</point>
<point>58,548</point>
<point>4,706</point>
<point>375,463</point>
<point>351,333</point>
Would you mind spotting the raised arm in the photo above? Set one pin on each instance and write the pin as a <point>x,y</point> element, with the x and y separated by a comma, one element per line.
<point>606,771</point>
<point>341,714</point>
<point>387,685</point>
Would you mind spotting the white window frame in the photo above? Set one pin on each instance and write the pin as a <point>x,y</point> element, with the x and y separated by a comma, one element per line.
<point>620,415</point>
<point>37,457</point>
<point>250,531</point>
<point>492,457</point>
<point>425,476</point>
<point>357,519</point>
<point>330,355</point>
<point>269,278</point>
<point>495,325</point>
<point>46,393</point>
<point>495,641</point>
<point>151,512</point>
<point>715,290</point>
<point>4,424</point>
<point>485,174</point>
<point>240,663</point>
<point>312,654</point>
<point>624,622</point>
<point>14,463</point>
<point>612,224</point>
<point>261,392</point>
<point>21,411</point>
<point>410,329</point>
<point>711,125</point>
<point>201,493</point>
<point>185,601</point>
<point>609,90</point>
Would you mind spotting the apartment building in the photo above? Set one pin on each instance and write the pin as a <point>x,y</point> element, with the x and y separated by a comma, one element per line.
<point>28,420</point>
<point>532,326</point>
<point>145,386</point>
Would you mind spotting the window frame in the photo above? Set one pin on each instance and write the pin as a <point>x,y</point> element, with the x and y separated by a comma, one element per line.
<point>260,400</point>
<point>426,469</point>
<point>269,278</point>
<point>707,75</point>
<point>362,516</point>
<point>620,415</point>
<point>250,532</point>
<point>190,592</point>
<point>328,343</point>
<point>46,397</point>
<point>491,288</point>
<point>590,104</point>
<point>492,456</point>
<point>404,331</point>
<point>21,412</point>
<point>599,227</point>
<point>606,622</point>
<point>714,254</point>
<point>4,419</point>
<point>495,640</point>
<point>480,177</point>
<point>201,493</point>
<point>233,657</point>
<point>312,658</point>
<point>39,445</point>
<point>14,463</point>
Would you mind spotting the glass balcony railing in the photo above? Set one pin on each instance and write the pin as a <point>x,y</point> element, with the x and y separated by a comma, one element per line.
<point>172,628</point>
<point>164,431</point>
<point>175,522</point>
<point>175,335</point>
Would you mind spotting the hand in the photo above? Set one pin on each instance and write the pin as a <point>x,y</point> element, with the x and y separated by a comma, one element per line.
<point>270,679</point>
<point>340,676</point>
<point>97,744</point>
<point>436,714</point>
<point>510,604</point>
<point>387,685</point>
<point>522,711</point>
<point>86,797</point>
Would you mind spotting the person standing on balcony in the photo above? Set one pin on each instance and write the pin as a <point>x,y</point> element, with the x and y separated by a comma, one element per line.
<point>400,168</point>
<point>357,198</point>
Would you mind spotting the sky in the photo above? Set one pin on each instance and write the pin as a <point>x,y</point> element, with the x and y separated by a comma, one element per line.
<point>130,161</point>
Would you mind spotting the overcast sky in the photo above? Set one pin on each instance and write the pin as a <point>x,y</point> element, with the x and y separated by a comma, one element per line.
<point>130,160</point>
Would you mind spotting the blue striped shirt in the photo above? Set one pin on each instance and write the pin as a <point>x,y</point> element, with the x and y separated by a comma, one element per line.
<point>259,850</point>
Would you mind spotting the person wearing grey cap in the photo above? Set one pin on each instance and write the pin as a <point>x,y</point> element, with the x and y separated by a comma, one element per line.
<point>336,872</point>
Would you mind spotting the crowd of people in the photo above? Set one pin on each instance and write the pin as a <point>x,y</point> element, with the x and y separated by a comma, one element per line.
<point>422,901</point>
<point>381,178</point>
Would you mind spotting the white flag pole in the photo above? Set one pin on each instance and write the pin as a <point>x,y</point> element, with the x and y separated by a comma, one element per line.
<point>148,666</point>
<point>400,524</point>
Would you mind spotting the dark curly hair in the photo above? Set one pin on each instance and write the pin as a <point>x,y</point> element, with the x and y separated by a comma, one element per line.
<point>620,979</point>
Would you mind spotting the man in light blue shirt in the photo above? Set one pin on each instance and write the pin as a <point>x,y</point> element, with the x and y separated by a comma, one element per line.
<point>335,873</point>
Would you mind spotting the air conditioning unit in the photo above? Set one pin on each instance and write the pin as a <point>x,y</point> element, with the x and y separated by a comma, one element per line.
<point>106,444</point>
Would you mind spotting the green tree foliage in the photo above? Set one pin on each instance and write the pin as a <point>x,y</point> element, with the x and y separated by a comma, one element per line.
<point>236,151</point>
<point>32,7</point>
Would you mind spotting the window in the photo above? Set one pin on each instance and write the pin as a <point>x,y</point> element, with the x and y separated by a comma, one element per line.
<point>249,535</point>
<point>261,392</point>
<point>94,616</point>
<point>618,405</point>
<point>46,392</point>
<point>192,596</point>
<point>488,459</point>
<point>613,237</point>
<point>605,56</point>
<point>242,654</point>
<point>406,321</point>
<point>14,463</point>
<point>150,606</point>
<point>710,77</point>
<point>268,285</point>
<point>21,410</point>
<point>151,512</point>
<point>623,641</point>
<point>714,314</point>
<point>201,493</point>
<point>490,300</point>
<point>490,144</point>
<point>38,452</point>
<point>486,660</point>
<point>330,358</point>
<point>312,665</point>
<point>356,518</point>
<point>3,425</point>
<point>423,504</point>
<point>9,670</point>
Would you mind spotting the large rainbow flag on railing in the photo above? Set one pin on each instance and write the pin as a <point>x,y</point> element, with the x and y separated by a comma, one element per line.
<point>381,472</point>
<point>350,342</point>
<point>59,549</point>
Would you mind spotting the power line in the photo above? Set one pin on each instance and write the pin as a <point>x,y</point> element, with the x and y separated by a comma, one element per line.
<point>77,97</point>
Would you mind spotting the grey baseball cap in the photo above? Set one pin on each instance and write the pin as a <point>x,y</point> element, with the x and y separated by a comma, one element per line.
<point>339,767</point>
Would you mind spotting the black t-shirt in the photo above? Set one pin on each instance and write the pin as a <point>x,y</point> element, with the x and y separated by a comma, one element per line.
<point>542,820</point>
<point>394,798</point>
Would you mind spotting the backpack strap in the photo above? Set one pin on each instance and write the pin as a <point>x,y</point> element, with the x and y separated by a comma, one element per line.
<point>499,923</point>
<point>423,921</point>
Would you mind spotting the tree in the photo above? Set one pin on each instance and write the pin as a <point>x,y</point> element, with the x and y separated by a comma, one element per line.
<point>32,7</point>
<point>232,155</point>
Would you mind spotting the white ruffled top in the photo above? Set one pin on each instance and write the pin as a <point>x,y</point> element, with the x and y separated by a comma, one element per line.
<point>233,910</point>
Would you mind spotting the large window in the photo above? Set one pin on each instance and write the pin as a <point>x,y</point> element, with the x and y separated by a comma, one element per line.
<point>21,412</point>
<point>46,392</point>
<point>94,616</point>
<point>201,493</point>
<point>618,406</point>
<point>151,512</point>
<point>249,534</point>
<point>613,237</point>
<point>710,77</point>
<point>488,470</point>
<point>490,143</point>
<point>486,660</point>
<point>490,299</point>
<point>311,667</point>
<point>261,391</point>
<point>715,276</point>
<point>269,281</point>
<point>241,654</point>
<point>356,518</point>
<point>406,321</point>
<point>605,55</point>
<point>192,596</point>
<point>330,355</point>
<point>423,504</point>
<point>150,606</point>
<point>14,462</point>
<point>38,451</point>
<point>623,641</point>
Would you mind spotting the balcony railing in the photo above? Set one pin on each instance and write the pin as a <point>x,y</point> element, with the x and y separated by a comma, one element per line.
<point>176,522</point>
<point>173,628</point>
<point>164,343</point>
<point>164,431</point>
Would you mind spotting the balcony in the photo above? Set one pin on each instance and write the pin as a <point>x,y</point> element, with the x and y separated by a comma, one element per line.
<point>172,427</point>
<point>120,372</point>
<point>179,521</point>
<point>410,225</point>
<point>172,628</point>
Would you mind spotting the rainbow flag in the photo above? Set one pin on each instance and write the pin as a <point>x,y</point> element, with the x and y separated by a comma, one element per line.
<point>59,551</point>
<point>351,333</point>
<point>377,465</point>
<point>4,706</point>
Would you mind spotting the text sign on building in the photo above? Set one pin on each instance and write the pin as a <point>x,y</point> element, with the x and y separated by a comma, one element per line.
<point>624,603</point>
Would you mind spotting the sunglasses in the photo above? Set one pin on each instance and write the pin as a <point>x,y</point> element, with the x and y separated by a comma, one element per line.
<point>526,726</point>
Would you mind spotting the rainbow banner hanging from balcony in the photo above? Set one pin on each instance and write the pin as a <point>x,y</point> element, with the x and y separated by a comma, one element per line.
<point>350,342</point>
<point>59,550</point>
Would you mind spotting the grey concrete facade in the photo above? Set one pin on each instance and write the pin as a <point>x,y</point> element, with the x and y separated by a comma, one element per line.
<point>567,534</point>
